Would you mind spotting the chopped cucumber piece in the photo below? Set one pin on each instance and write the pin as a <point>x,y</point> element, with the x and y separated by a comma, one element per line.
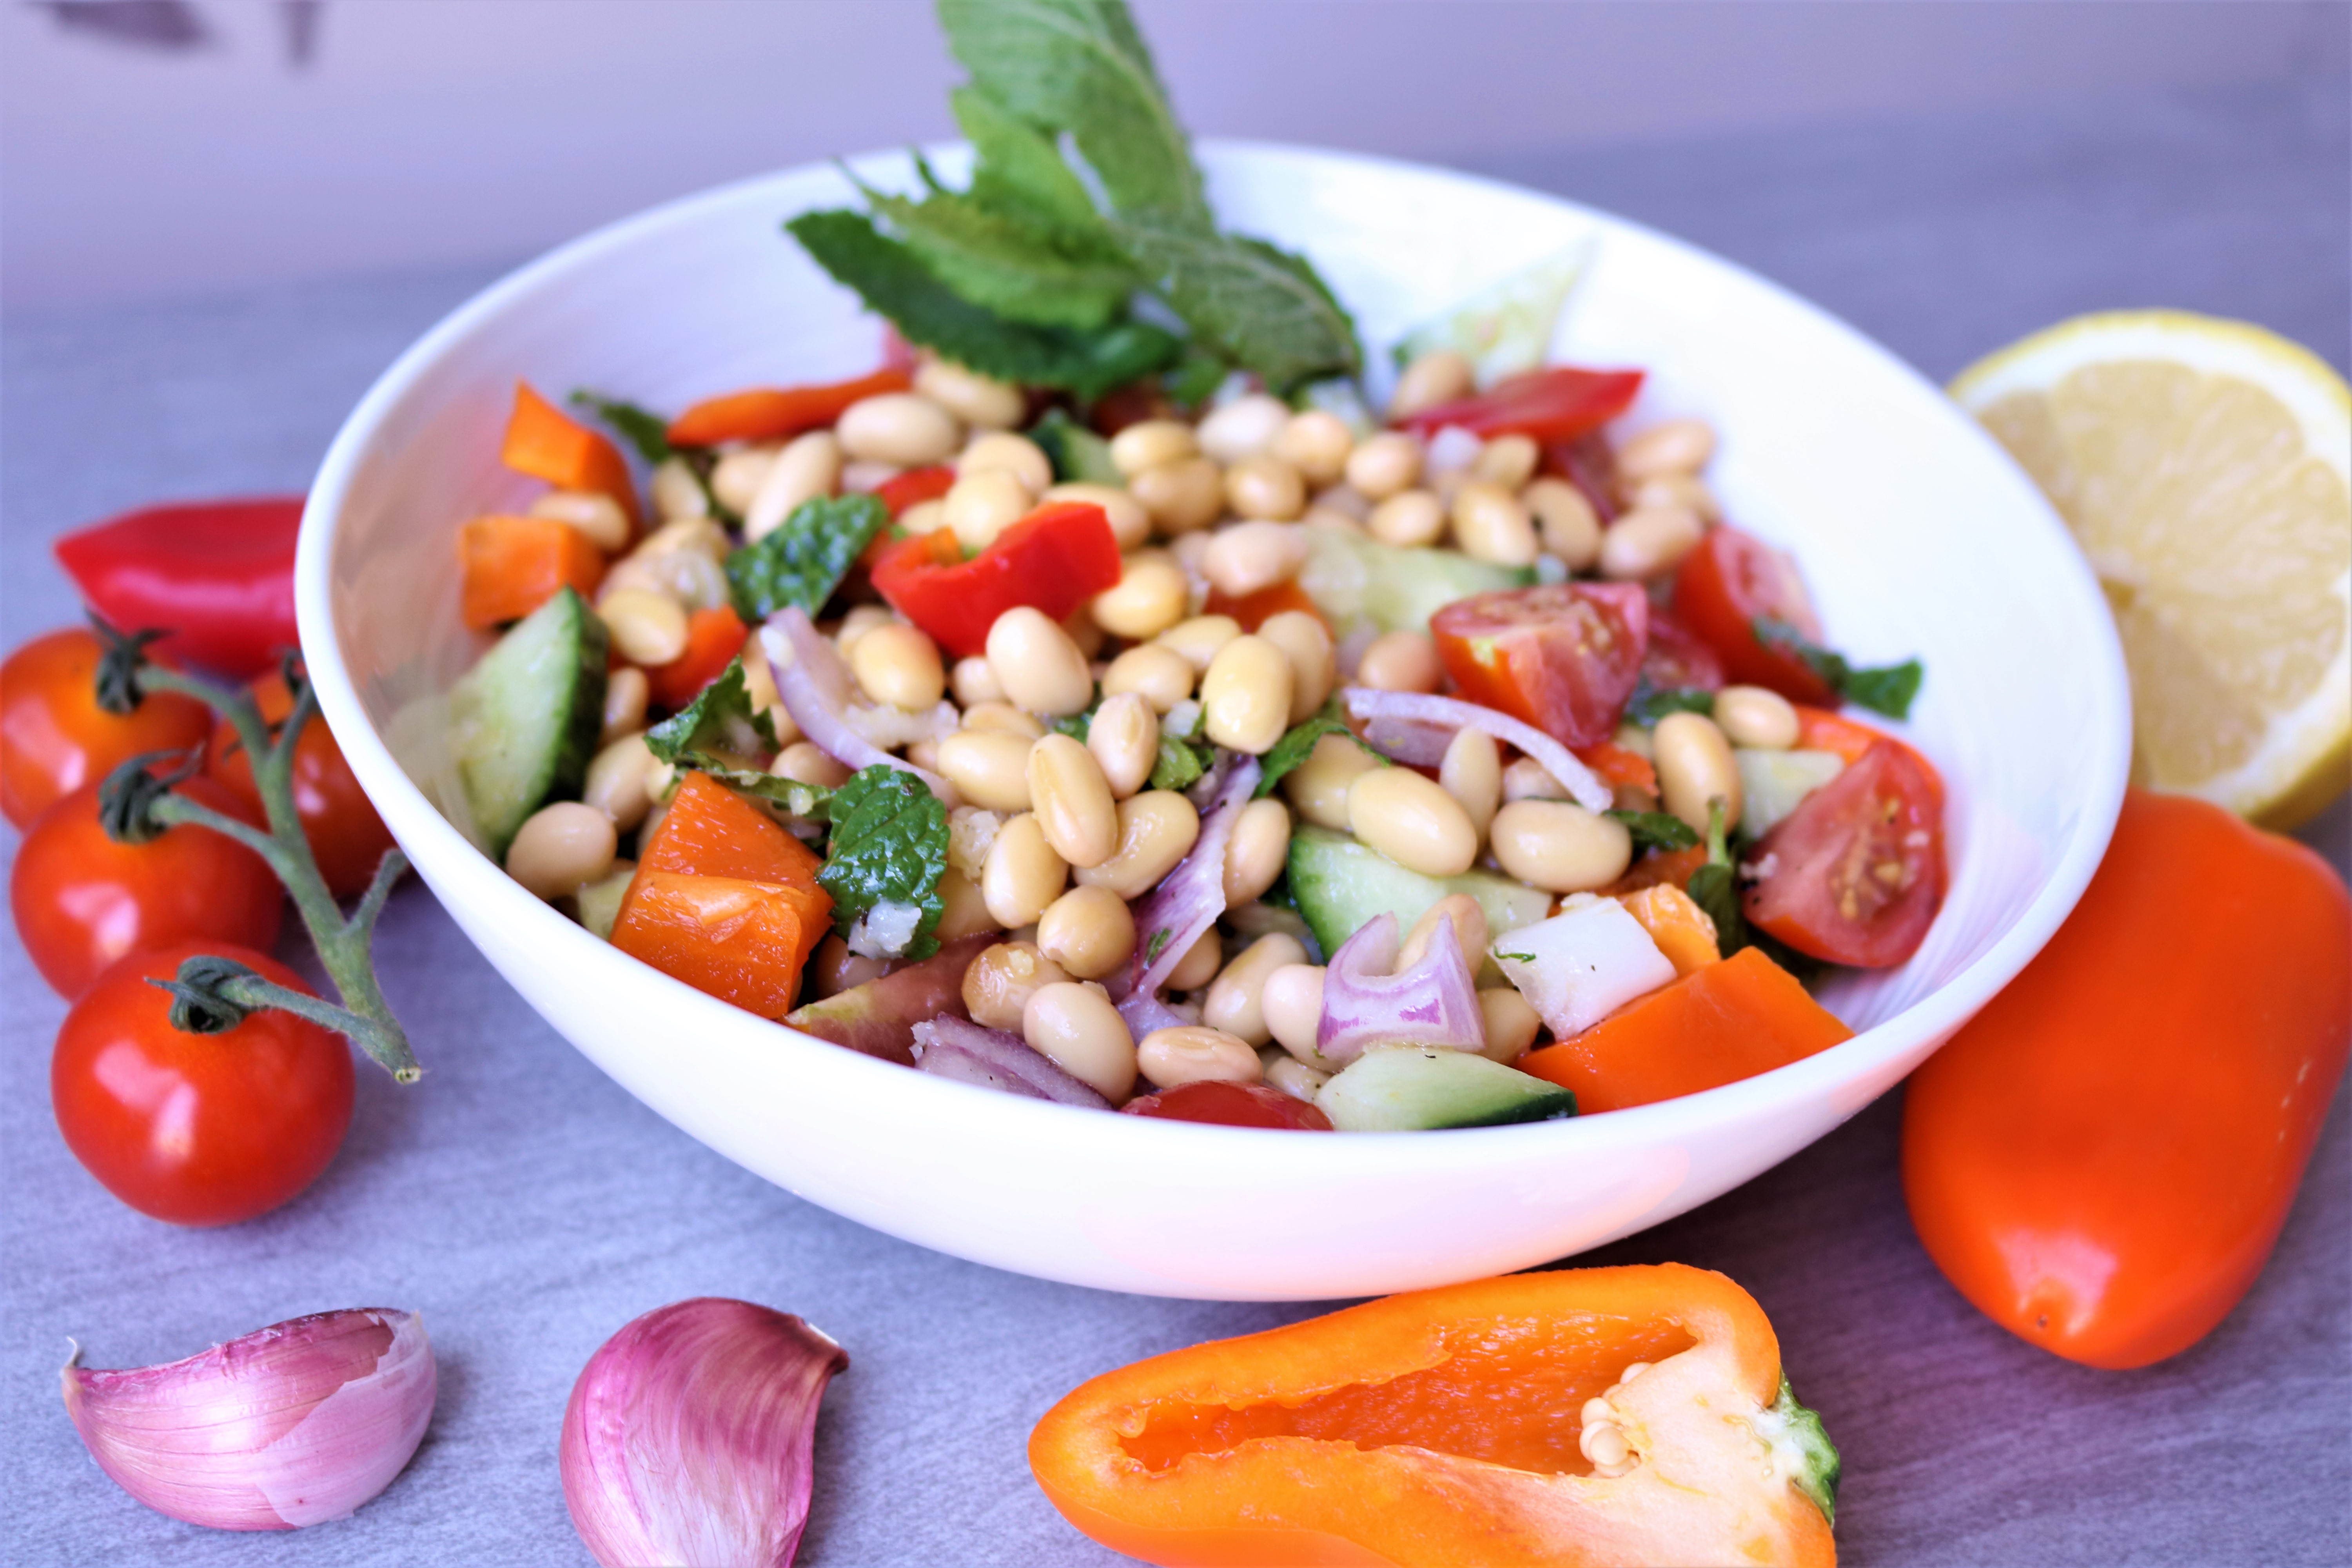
<point>599,901</point>
<point>1414,1089</point>
<point>1772,784</point>
<point>1360,582</point>
<point>1505,329</point>
<point>524,720</point>
<point>1341,884</point>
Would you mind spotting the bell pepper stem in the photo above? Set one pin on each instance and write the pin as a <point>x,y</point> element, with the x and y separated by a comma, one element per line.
<point>342,943</point>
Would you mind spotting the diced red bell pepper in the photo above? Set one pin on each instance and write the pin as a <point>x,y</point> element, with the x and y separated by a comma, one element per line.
<point>1056,559</point>
<point>713,639</point>
<point>771,413</point>
<point>914,487</point>
<point>1548,405</point>
<point>219,575</point>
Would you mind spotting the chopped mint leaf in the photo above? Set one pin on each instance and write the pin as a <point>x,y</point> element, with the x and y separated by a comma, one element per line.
<point>890,846</point>
<point>1887,689</point>
<point>804,560</point>
<point>1650,703</point>
<point>1299,743</point>
<point>1180,764</point>
<point>1077,454</point>
<point>791,796</point>
<point>1655,830</point>
<point>1517,957</point>
<point>1715,887</point>
<point>720,720</point>
<point>1078,726</point>
<point>1158,943</point>
<point>894,281</point>
<point>647,433</point>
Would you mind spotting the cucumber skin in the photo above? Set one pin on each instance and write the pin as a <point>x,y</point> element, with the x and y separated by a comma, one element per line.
<point>1341,884</point>
<point>576,730</point>
<point>1428,1090</point>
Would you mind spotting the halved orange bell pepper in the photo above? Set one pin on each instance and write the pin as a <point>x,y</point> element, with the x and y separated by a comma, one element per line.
<point>725,899</point>
<point>1730,1020</point>
<point>1452,1427</point>
<point>512,566</point>
<point>547,444</point>
<point>769,413</point>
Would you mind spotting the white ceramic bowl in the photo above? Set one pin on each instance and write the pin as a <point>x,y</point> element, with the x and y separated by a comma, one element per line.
<point>1917,534</point>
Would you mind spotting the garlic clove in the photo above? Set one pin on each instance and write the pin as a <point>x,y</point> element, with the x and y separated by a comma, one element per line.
<point>690,1436</point>
<point>289,1425</point>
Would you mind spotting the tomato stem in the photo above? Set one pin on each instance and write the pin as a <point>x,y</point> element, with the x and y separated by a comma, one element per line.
<point>342,941</point>
<point>212,995</point>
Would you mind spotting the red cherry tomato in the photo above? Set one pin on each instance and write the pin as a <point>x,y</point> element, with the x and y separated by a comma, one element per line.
<point>1564,657</point>
<point>55,738</point>
<point>1725,586</point>
<point>1677,659</point>
<point>81,900</point>
<point>344,831</point>
<point>197,1128</point>
<point>1854,875</point>
<point>1555,404</point>
<point>218,576</point>
<point>1231,1105</point>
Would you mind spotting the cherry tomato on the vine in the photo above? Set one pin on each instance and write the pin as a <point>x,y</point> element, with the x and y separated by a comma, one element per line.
<point>55,738</point>
<point>345,833</point>
<point>81,900</point>
<point>198,1129</point>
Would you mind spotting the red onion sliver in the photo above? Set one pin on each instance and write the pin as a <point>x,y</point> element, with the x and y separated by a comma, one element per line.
<point>1452,712</point>
<point>1144,1012</point>
<point>1433,1002</point>
<point>1190,899</point>
<point>953,1048</point>
<point>814,683</point>
<point>1410,740</point>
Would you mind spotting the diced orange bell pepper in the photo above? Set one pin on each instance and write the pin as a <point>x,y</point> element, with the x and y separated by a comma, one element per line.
<point>1672,868</point>
<point>1253,610</point>
<point>1448,1427</point>
<point>1617,766</point>
<point>1731,1020</point>
<point>713,639</point>
<point>1683,932</point>
<point>547,444</point>
<point>769,413</point>
<point>513,566</point>
<point>713,895</point>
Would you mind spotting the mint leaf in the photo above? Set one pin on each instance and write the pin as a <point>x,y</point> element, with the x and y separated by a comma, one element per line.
<point>1081,66</point>
<point>1650,703</point>
<point>1181,762</point>
<point>893,280</point>
<point>1077,454</point>
<point>1656,829</point>
<point>1517,957</point>
<point>647,432</point>
<point>1298,743</point>
<point>890,846</point>
<point>1197,377</point>
<point>804,560</point>
<point>796,798</point>
<point>721,718</point>
<point>1883,689</point>
<point>1263,308</point>
<point>1002,265</point>
<point>1018,171</point>
<point>1078,726</point>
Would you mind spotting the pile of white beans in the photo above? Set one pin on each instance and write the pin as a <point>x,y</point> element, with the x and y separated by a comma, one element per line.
<point>1055,838</point>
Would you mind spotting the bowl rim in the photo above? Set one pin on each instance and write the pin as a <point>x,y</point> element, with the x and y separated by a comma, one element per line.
<point>1937,1014</point>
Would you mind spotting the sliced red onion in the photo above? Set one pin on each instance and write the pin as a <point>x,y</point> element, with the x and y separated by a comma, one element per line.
<point>1145,1011</point>
<point>814,683</point>
<point>1190,899</point>
<point>957,1049</point>
<point>1380,708</point>
<point>1432,1004</point>
<point>1411,740</point>
<point>691,1435</point>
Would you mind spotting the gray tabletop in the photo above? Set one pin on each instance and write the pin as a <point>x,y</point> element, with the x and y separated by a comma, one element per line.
<point>528,1207</point>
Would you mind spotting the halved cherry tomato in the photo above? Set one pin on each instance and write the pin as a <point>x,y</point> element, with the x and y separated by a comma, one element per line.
<point>1678,659</point>
<point>197,1128</point>
<point>1231,1105</point>
<point>345,833</point>
<point>1253,610</point>
<point>1855,874</point>
<point>1553,405</point>
<point>55,738</point>
<point>1819,729</point>
<point>713,639</point>
<point>1056,559</point>
<point>914,487</point>
<point>1725,586</point>
<point>1587,462</point>
<point>769,413</point>
<point>217,575</point>
<point>1563,657</point>
<point>81,900</point>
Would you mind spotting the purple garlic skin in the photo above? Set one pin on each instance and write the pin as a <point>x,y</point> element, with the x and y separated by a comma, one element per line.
<point>290,1426</point>
<point>690,1436</point>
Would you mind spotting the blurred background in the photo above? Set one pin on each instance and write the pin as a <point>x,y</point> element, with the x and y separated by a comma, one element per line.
<point>171,147</point>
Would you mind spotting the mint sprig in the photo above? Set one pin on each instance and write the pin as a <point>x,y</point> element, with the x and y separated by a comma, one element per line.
<point>1883,689</point>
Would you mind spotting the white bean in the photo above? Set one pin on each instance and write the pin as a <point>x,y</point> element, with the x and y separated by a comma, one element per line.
<point>902,427</point>
<point>561,845</point>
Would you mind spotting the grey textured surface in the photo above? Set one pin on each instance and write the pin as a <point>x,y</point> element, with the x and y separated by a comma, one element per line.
<point>528,1207</point>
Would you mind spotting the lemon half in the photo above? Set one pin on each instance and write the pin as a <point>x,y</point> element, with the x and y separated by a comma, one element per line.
<point>2205,467</point>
